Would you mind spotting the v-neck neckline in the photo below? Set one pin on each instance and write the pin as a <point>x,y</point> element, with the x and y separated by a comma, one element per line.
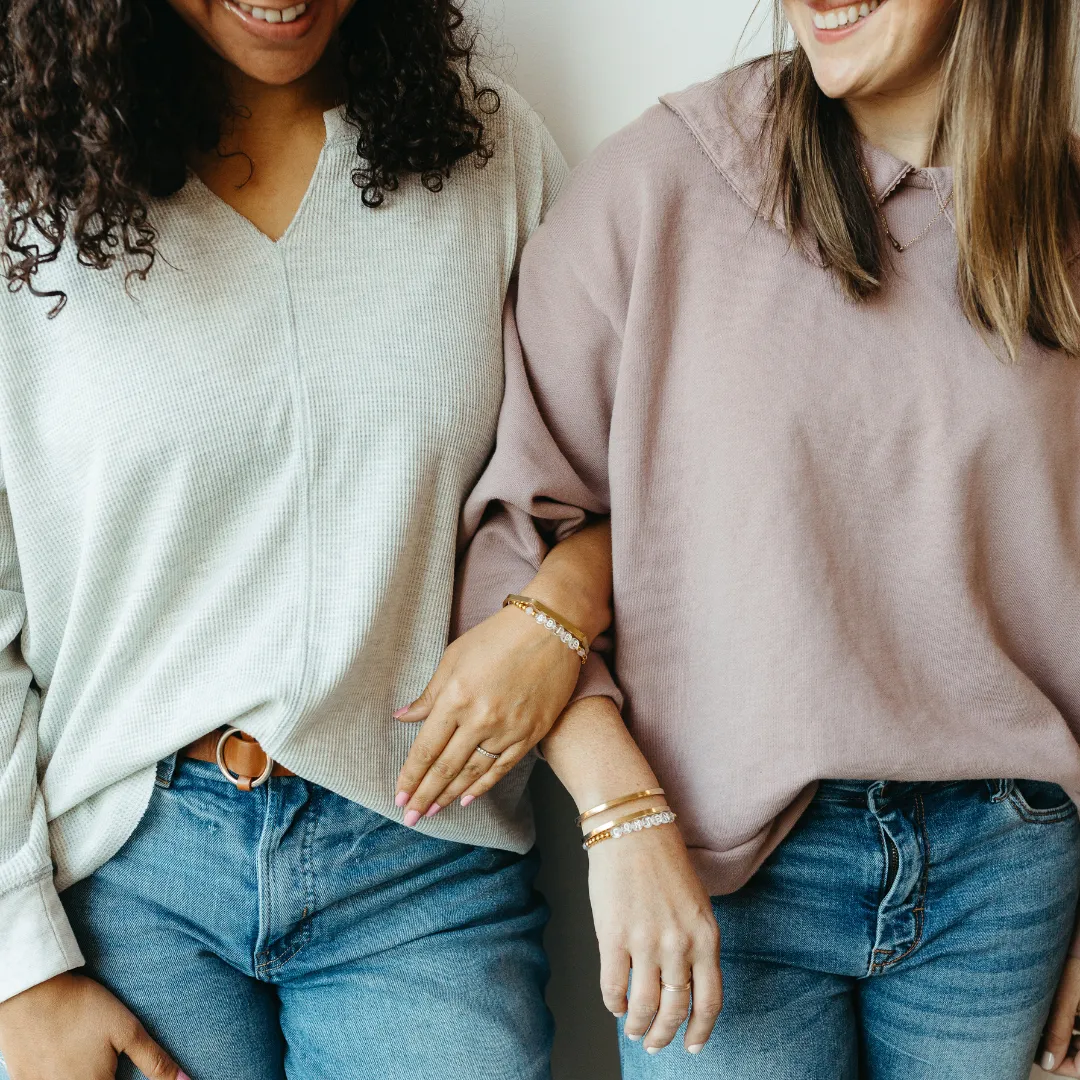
<point>336,124</point>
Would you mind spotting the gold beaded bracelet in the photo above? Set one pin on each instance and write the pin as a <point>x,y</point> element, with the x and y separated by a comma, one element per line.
<point>632,823</point>
<point>566,632</point>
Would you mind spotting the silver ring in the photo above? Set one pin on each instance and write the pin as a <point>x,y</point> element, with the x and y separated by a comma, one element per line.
<point>235,780</point>
<point>487,753</point>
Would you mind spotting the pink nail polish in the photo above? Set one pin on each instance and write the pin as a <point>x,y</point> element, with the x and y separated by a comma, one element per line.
<point>399,713</point>
<point>401,798</point>
<point>433,809</point>
<point>412,817</point>
<point>466,799</point>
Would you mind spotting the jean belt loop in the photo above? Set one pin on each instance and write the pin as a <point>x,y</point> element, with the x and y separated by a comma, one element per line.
<point>166,768</point>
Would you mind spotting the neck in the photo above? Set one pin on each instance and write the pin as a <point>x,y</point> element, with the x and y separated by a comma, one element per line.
<point>268,117</point>
<point>902,122</point>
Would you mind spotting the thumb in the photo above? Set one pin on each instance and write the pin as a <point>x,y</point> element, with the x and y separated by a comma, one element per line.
<point>149,1058</point>
<point>418,710</point>
<point>421,708</point>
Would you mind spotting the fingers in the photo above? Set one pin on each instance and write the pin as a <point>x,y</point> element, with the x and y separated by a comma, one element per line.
<point>147,1056</point>
<point>615,979</point>
<point>644,999</point>
<point>1062,1020</point>
<point>458,756</point>
<point>477,771</point>
<point>707,1002</point>
<point>510,757</point>
<point>674,1005</point>
<point>431,741</point>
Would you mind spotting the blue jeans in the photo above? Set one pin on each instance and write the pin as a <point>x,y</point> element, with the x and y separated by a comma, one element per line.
<point>901,932</point>
<point>289,932</point>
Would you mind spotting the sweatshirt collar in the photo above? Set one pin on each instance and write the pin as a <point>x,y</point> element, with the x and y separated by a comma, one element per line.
<point>727,115</point>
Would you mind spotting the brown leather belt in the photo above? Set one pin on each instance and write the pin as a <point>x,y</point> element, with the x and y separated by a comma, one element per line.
<point>240,758</point>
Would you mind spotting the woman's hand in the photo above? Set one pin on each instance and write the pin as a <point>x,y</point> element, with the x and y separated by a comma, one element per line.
<point>1059,1053</point>
<point>653,916</point>
<point>71,1028</point>
<point>501,686</point>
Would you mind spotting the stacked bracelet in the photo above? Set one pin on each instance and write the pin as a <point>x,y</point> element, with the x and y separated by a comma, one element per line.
<point>648,793</point>
<point>632,823</point>
<point>573,638</point>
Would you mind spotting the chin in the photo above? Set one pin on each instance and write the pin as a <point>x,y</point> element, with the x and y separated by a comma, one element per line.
<point>837,79</point>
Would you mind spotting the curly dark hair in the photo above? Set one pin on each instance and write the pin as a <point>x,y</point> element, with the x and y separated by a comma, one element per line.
<point>101,102</point>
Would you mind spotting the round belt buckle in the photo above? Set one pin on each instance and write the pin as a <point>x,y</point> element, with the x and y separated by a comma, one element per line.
<point>226,735</point>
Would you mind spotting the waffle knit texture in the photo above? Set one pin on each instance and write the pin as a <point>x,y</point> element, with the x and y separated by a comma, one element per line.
<point>231,495</point>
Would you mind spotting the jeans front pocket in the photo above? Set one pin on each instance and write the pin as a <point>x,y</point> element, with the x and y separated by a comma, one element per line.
<point>1040,802</point>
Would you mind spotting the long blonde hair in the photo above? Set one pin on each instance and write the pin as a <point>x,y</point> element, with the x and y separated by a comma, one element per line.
<point>1007,116</point>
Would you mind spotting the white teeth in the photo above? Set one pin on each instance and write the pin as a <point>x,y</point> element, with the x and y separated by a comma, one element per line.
<point>833,20</point>
<point>273,15</point>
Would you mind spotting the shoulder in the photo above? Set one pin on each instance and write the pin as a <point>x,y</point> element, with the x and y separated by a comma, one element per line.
<point>517,131</point>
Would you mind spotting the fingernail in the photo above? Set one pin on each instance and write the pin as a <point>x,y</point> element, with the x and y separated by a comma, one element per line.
<point>412,817</point>
<point>402,798</point>
<point>401,712</point>
<point>433,809</point>
<point>652,1049</point>
<point>1048,1061</point>
<point>182,1076</point>
<point>696,1048</point>
<point>633,1038</point>
<point>466,799</point>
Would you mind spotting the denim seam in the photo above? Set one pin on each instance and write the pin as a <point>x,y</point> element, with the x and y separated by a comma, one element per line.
<point>1037,816</point>
<point>919,911</point>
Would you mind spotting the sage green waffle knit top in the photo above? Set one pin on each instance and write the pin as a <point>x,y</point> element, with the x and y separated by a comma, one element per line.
<point>230,495</point>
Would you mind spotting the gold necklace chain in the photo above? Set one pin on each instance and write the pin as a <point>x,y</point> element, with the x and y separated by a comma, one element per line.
<point>901,248</point>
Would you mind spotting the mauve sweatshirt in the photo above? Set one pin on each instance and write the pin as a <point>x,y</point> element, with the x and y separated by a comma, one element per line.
<point>846,535</point>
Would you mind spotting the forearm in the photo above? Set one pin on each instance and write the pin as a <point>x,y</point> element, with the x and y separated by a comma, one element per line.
<point>594,756</point>
<point>575,579</point>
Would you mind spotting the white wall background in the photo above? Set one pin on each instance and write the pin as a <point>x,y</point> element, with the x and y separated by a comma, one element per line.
<point>590,67</point>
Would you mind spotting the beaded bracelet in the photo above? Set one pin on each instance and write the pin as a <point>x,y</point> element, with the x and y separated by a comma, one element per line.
<point>632,823</point>
<point>568,634</point>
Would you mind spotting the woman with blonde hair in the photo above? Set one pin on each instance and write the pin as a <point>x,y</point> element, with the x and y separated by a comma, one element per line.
<point>809,334</point>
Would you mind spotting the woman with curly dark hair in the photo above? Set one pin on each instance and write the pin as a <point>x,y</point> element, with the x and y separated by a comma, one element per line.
<point>250,364</point>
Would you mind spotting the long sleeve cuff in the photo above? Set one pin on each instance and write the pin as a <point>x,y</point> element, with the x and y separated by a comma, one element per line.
<point>36,939</point>
<point>596,681</point>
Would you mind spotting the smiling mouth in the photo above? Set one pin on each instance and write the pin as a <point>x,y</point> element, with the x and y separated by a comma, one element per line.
<point>841,17</point>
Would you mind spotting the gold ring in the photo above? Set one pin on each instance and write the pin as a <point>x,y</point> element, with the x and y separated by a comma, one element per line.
<point>487,753</point>
<point>675,989</point>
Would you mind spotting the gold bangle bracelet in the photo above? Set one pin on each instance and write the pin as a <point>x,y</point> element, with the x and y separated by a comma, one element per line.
<point>566,632</point>
<point>648,793</point>
<point>627,819</point>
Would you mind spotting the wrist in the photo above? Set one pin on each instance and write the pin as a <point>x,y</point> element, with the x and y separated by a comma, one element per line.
<point>574,601</point>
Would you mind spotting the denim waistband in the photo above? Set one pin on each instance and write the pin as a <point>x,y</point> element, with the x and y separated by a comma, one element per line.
<point>856,792</point>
